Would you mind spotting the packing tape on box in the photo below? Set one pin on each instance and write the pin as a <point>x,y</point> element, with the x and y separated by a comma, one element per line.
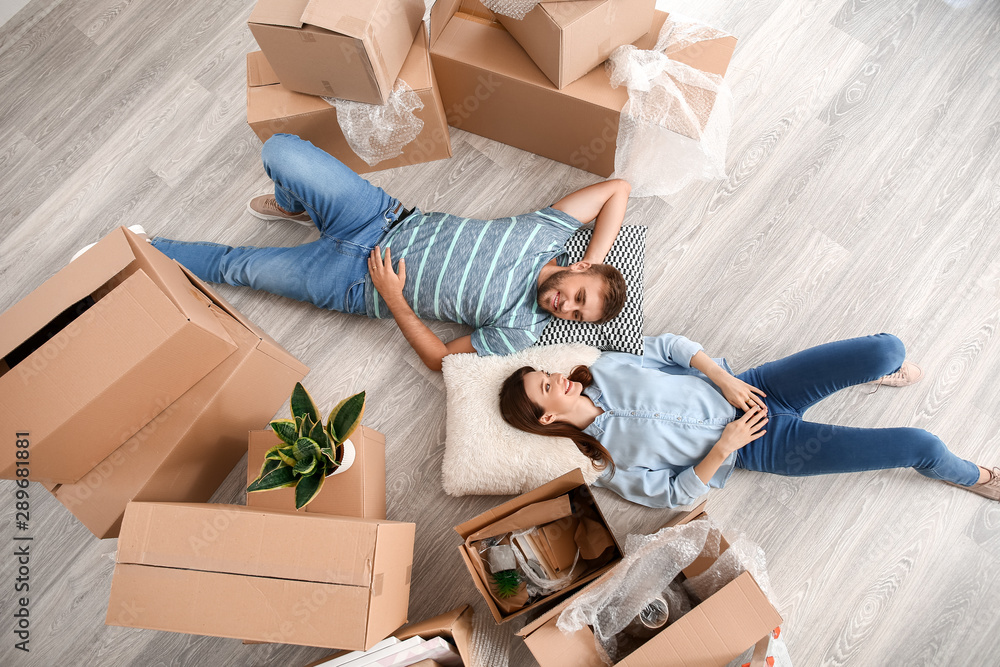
<point>651,565</point>
<point>377,132</point>
<point>676,123</point>
<point>516,9</point>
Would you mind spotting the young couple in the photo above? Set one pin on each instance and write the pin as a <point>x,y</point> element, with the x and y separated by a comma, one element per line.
<point>667,426</point>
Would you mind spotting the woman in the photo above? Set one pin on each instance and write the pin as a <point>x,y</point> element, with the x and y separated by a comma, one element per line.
<point>673,423</point>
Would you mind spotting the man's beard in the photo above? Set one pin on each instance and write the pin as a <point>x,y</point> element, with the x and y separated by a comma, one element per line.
<point>551,284</point>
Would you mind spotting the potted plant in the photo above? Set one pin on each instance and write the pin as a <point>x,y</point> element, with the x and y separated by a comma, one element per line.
<point>310,451</point>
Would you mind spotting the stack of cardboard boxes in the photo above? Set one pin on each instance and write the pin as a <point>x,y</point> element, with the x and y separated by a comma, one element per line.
<point>132,380</point>
<point>536,83</point>
<point>348,50</point>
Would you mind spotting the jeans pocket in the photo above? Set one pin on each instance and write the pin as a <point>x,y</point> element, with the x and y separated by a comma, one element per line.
<point>351,249</point>
<point>354,298</point>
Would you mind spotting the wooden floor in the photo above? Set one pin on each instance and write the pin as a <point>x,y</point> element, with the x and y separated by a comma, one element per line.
<point>863,196</point>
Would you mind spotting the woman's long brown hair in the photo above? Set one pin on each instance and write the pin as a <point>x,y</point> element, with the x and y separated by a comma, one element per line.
<point>518,411</point>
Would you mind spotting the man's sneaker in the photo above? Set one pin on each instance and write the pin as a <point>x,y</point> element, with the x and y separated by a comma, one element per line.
<point>988,489</point>
<point>266,208</point>
<point>909,373</point>
<point>135,229</point>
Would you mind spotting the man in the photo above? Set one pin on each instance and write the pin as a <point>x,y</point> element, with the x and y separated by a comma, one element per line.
<point>505,277</point>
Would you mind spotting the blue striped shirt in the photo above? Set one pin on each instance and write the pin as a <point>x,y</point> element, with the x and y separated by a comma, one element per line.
<point>483,273</point>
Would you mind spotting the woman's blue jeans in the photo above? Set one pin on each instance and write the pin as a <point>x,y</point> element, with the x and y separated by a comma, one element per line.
<point>796,447</point>
<point>350,213</point>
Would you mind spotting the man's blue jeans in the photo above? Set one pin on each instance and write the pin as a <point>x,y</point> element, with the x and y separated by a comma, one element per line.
<point>351,214</point>
<point>796,447</point>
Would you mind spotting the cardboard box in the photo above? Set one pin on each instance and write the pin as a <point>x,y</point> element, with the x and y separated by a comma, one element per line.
<point>267,575</point>
<point>97,351</point>
<point>714,633</point>
<point>185,453</point>
<point>491,87</point>
<point>273,108</point>
<point>351,50</point>
<point>455,625</point>
<point>358,491</point>
<point>568,39</point>
<point>570,482</point>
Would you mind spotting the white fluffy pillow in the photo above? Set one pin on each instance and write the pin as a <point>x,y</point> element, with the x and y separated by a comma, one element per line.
<point>484,455</point>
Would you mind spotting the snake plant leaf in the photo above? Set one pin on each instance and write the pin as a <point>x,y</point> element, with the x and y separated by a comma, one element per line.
<point>276,479</point>
<point>306,466</point>
<point>302,404</point>
<point>307,488</point>
<point>319,435</point>
<point>270,465</point>
<point>306,449</point>
<point>287,455</point>
<point>345,417</point>
<point>328,453</point>
<point>286,429</point>
<point>272,454</point>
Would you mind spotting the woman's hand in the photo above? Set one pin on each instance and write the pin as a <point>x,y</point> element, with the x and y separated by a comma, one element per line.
<point>388,283</point>
<point>742,395</point>
<point>741,432</point>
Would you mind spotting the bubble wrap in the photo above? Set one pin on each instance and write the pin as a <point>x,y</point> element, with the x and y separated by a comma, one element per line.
<point>377,132</point>
<point>516,9</point>
<point>662,144</point>
<point>649,568</point>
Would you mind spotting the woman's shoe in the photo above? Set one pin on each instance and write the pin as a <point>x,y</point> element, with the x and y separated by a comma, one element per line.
<point>988,489</point>
<point>909,373</point>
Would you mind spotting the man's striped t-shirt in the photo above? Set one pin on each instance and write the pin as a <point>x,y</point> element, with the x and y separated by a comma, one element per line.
<point>483,273</point>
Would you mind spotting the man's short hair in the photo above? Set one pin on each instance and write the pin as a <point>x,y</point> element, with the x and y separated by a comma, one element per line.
<point>615,290</point>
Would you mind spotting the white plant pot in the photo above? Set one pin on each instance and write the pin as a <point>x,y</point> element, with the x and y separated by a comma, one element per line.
<point>350,453</point>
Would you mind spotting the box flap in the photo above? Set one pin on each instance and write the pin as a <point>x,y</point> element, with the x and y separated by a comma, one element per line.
<point>553,489</point>
<point>242,540</point>
<point>267,345</point>
<point>175,284</point>
<point>441,14</point>
<point>563,14</point>
<point>259,72</point>
<point>456,624</point>
<point>279,12</point>
<point>70,284</point>
<point>348,18</point>
<point>714,632</point>
<point>416,70</point>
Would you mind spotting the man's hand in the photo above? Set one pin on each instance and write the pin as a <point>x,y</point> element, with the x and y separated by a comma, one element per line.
<point>740,394</point>
<point>388,283</point>
<point>741,432</point>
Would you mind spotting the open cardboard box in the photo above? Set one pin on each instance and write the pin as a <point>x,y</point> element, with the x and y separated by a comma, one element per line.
<point>97,351</point>
<point>571,482</point>
<point>273,108</point>
<point>358,491</point>
<point>455,625</point>
<point>712,634</point>
<point>185,453</point>
<point>351,50</point>
<point>568,39</point>
<point>267,575</point>
<point>492,88</point>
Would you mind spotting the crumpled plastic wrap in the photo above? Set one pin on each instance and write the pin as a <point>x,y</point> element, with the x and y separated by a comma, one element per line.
<point>516,9</point>
<point>649,568</point>
<point>378,132</point>
<point>675,126</point>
